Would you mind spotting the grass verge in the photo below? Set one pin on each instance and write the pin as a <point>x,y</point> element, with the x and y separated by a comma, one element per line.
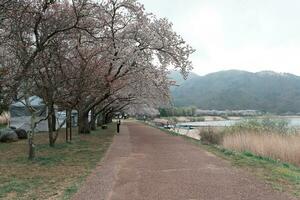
<point>3,126</point>
<point>281,176</point>
<point>56,173</point>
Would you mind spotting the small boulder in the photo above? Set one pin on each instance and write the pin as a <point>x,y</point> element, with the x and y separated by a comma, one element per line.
<point>22,134</point>
<point>8,135</point>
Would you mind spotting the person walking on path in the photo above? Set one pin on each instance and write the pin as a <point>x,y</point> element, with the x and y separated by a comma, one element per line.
<point>118,125</point>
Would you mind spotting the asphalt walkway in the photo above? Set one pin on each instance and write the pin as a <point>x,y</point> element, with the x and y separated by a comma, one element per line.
<point>144,163</point>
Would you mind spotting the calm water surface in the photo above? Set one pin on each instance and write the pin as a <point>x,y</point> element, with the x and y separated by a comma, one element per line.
<point>293,122</point>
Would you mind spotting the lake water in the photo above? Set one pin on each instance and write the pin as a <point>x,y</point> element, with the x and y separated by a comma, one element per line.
<point>293,122</point>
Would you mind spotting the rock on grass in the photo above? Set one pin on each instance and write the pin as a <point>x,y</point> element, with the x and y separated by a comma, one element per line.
<point>8,135</point>
<point>22,134</point>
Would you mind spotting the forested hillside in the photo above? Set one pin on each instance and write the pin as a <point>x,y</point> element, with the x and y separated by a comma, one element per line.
<point>237,90</point>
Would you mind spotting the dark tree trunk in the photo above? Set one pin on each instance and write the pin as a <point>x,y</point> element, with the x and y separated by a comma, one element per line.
<point>68,125</point>
<point>69,111</point>
<point>103,118</point>
<point>51,136</point>
<point>52,125</point>
<point>53,116</point>
<point>99,120</point>
<point>93,120</point>
<point>108,118</point>
<point>83,123</point>
<point>31,154</point>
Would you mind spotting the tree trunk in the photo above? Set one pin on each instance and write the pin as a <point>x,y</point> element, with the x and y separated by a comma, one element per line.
<point>31,153</point>
<point>68,125</point>
<point>104,118</point>
<point>83,123</point>
<point>93,120</point>
<point>69,111</point>
<point>99,120</point>
<point>53,116</point>
<point>51,125</point>
<point>108,118</point>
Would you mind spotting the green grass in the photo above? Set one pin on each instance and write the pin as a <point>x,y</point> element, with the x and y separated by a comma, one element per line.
<point>281,176</point>
<point>72,189</point>
<point>3,126</point>
<point>19,186</point>
<point>56,173</point>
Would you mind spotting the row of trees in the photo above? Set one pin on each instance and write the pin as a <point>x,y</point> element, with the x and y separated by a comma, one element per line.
<point>177,111</point>
<point>96,57</point>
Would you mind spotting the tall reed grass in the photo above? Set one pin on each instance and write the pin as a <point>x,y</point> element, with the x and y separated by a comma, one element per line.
<point>281,147</point>
<point>266,137</point>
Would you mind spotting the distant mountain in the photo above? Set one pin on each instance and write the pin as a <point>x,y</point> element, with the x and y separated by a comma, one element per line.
<point>239,90</point>
<point>176,76</point>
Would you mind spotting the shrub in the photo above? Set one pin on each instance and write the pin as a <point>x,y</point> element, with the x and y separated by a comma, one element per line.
<point>197,119</point>
<point>173,120</point>
<point>280,126</point>
<point>211,136</point>
<point>225,117</point>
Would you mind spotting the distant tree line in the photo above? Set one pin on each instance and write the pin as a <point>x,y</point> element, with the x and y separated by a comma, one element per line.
<point>178,111</point>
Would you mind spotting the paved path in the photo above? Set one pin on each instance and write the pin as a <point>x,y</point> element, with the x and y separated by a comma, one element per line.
<point>144,163</point>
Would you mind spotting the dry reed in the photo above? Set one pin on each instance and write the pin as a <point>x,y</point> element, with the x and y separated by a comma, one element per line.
<point>285,148</point>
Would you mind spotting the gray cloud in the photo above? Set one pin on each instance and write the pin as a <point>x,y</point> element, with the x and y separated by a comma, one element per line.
<point>251,35</point>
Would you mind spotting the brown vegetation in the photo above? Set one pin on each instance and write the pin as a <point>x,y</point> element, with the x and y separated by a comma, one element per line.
<point>285,148</point>
<point>271,138</point>
<point>211,135</point>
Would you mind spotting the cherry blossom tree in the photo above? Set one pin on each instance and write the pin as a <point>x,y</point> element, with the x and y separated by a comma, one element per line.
<point>28,29</point>
<point>3,99</point>
<point>136,42</point>
<point>97,57</point>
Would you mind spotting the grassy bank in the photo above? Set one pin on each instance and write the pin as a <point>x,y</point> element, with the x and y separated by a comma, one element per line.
<point>57,172</point>
<point>280,175</point>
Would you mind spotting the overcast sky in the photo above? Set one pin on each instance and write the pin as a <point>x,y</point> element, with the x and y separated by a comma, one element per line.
<point>252,35</point>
